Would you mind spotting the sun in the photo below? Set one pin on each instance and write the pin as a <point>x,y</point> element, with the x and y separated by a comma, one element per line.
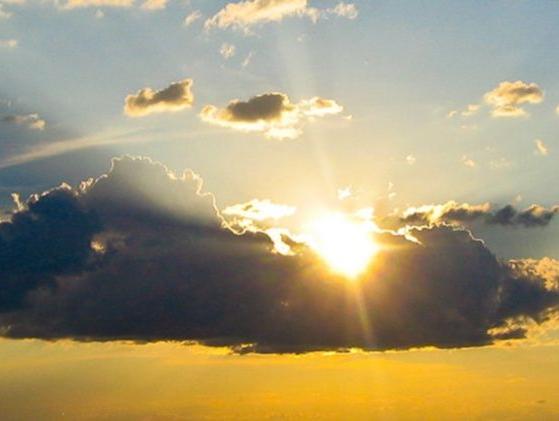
<point>346,245</point>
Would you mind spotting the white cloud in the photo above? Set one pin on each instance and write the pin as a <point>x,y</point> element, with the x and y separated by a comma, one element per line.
<point>192,17</point>
<point>154,4</point>
<point>259,210</point>
<point>507,98</point>
<point>470,110</point>
<point>245,14</point>
<point>8,43</point>
<point>346,10</point>
<point>541,148</point>
<point>227,50</point>
<point>468,162</point>
<point>247,59</point>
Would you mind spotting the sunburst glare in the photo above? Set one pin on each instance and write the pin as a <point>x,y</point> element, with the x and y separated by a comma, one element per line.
<point>345,244</point>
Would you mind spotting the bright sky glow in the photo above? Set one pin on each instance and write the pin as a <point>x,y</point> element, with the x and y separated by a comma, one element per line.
<point>347,246</point>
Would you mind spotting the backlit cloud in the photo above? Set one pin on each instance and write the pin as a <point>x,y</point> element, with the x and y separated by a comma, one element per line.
<point>176,97</point>
<point>253,215</point>
<point>272,114</point>
<point>143,254</point>
<point>464,213</point>
<point>507,98</point>
<point>244,14</point>
<point>259,210</point>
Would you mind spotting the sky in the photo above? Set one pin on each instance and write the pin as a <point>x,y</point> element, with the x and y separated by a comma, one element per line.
<point>247,190</point>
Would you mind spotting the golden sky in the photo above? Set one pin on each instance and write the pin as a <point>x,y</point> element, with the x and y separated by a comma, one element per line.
<point>278,209</point>
<point>166,381</point>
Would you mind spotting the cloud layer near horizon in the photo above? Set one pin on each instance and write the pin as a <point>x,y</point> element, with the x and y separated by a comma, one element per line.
<point>142,253</point>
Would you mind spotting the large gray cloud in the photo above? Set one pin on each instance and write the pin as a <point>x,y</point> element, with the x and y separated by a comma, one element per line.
<point>51,237</point>
<point>143,254</point>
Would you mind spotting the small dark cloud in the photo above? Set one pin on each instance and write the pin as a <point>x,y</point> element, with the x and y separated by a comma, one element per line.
<point>272,114</point>
<point>261,107</point>
<point>176,97</point>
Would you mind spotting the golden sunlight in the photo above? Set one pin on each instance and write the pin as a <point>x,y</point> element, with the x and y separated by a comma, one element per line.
<point>346,245</point>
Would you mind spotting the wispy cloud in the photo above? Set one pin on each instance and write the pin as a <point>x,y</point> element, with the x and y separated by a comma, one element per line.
<point>541,148</point>
<point>227,50</point>
<point>4,14</point>
<point>154,5</point>
<point>69,145</point>
<point>192,17</point>
<point>346,10</point>
<point>77,4</point>
<point>30,121</point>
<point>8,43</point>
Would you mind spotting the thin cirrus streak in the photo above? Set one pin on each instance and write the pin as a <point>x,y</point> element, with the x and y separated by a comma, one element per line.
<point>113,137</point>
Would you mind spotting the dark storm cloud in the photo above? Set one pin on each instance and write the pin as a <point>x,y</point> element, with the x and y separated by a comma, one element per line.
<point>51,237</point>
<point>462,213</point>
<point>144,255</point>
